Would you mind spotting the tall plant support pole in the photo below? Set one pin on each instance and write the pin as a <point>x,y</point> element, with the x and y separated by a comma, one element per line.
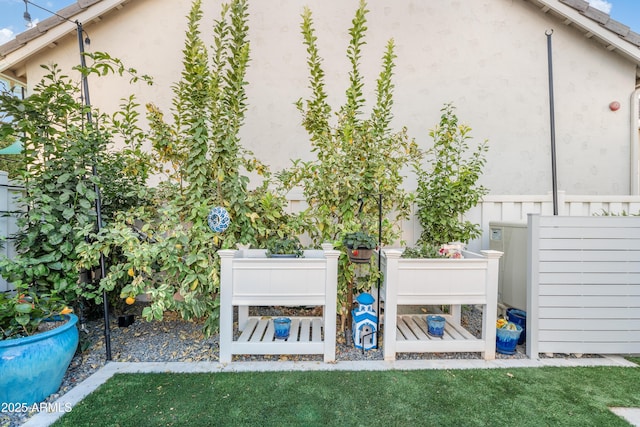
<point>361,200</point>
<point>554,182</point>
<point>379,265</point>
<point>96,187</point>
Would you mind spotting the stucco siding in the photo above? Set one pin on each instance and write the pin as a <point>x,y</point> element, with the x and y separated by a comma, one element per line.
<point>488,57</point>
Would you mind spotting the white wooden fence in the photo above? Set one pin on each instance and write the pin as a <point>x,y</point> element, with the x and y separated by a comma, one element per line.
<point>9,195</point>
<point>583,285</point>
<point>515,208</point>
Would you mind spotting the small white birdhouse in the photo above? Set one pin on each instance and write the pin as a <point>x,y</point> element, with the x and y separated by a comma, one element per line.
<point>364,323</point>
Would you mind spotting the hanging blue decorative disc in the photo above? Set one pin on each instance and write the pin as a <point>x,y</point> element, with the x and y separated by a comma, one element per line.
<point>218,219</point>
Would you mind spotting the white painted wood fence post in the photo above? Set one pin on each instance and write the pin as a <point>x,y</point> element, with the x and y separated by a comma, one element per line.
<point>5,207</point>
<point>533,260</point>
<point>331,295</point>
<point>391,257</point>
<point>490,314</point>
<point>226,309</point>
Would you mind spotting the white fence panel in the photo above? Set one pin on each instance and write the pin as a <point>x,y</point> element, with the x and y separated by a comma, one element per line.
<point>9,195</point>
<point>583,284</point>
<point>514,208</point>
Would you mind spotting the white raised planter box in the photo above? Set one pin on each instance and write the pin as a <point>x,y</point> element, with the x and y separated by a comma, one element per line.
<point>436,281</point>
<point>249,278</point>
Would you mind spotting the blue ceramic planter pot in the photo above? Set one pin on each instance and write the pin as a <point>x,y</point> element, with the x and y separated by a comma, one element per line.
<point>32,368</point>
<point>435,325</point>
<point>507,339</point>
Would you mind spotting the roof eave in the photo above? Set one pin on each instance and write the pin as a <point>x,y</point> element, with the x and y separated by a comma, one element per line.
<point>48,33</point>
<point>596,25</point>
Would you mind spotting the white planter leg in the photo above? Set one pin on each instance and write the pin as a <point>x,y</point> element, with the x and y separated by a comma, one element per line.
<point>226,309</point>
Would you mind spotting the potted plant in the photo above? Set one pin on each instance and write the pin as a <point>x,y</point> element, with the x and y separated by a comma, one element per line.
<point>435,272</point>
<point>288,247</point>
<point>360,246</point>
<point>507,336</point>
<point>449,250</point>
<point>449,188</point>
<point>38,338</point>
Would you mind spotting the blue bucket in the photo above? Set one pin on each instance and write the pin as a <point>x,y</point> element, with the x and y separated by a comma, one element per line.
<point>518,317</point>
<point>507,339</point>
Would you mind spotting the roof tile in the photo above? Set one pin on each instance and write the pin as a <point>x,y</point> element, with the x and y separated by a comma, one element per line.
<point>49,23</point>
<point>87,3</point>
<point>25,36</point>
<point>617,27</point>
<point>70,11</point>
<point>579,5</point>
<point>633,38</point>
<point>9,47</point>
<point>597,15</point>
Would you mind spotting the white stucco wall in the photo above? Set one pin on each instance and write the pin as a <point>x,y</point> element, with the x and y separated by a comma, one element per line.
<point>488,57</point>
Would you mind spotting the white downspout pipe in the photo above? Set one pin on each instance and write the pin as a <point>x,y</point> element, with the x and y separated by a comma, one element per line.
<point>635,142</point>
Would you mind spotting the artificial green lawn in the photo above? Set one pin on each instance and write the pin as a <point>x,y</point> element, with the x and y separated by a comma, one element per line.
<point>484,397</point>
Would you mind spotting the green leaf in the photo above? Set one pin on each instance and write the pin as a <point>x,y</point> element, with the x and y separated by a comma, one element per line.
<point>85,204</point>
<point>68,213</point>
<point>23,320</point>
<point>63,178</point>
<point>55,239</point>
<point>24,308</point>
<point>55,266</point>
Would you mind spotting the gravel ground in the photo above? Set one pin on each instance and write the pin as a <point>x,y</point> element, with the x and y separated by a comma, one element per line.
<point>174,340</point>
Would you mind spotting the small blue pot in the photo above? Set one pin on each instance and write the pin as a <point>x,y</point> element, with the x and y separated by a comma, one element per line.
<point>32,368</point>
<point>507,339</point>
<point>435,325</point>
<point>282,326</point>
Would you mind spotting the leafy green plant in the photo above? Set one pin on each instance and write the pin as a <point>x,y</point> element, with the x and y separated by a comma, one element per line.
<point>448,250</point>
<point>172,255</point>
<point>449,188</point>
<point>22,312</point>
<point>356,158</point>
<point>284,246</point>
<point>359,240</point>
<point>609,213</point>
<point>60,150</point>
<point>423,251</point>
<point>9,163</point>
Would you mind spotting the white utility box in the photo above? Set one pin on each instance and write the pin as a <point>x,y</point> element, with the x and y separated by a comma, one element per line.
<point>511,238</point>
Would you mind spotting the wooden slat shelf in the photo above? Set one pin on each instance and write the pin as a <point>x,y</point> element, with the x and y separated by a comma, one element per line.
<point>414,328</point>
<point>257,337</point>
<point>412,336</point>
<point>303,329</point>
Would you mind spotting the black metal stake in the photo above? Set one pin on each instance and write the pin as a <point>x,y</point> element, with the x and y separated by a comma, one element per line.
<point>361,200</point>
<point>362,337</point>
<point>554,182</point>
<point>98,206</point>
<point>379,263</point>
